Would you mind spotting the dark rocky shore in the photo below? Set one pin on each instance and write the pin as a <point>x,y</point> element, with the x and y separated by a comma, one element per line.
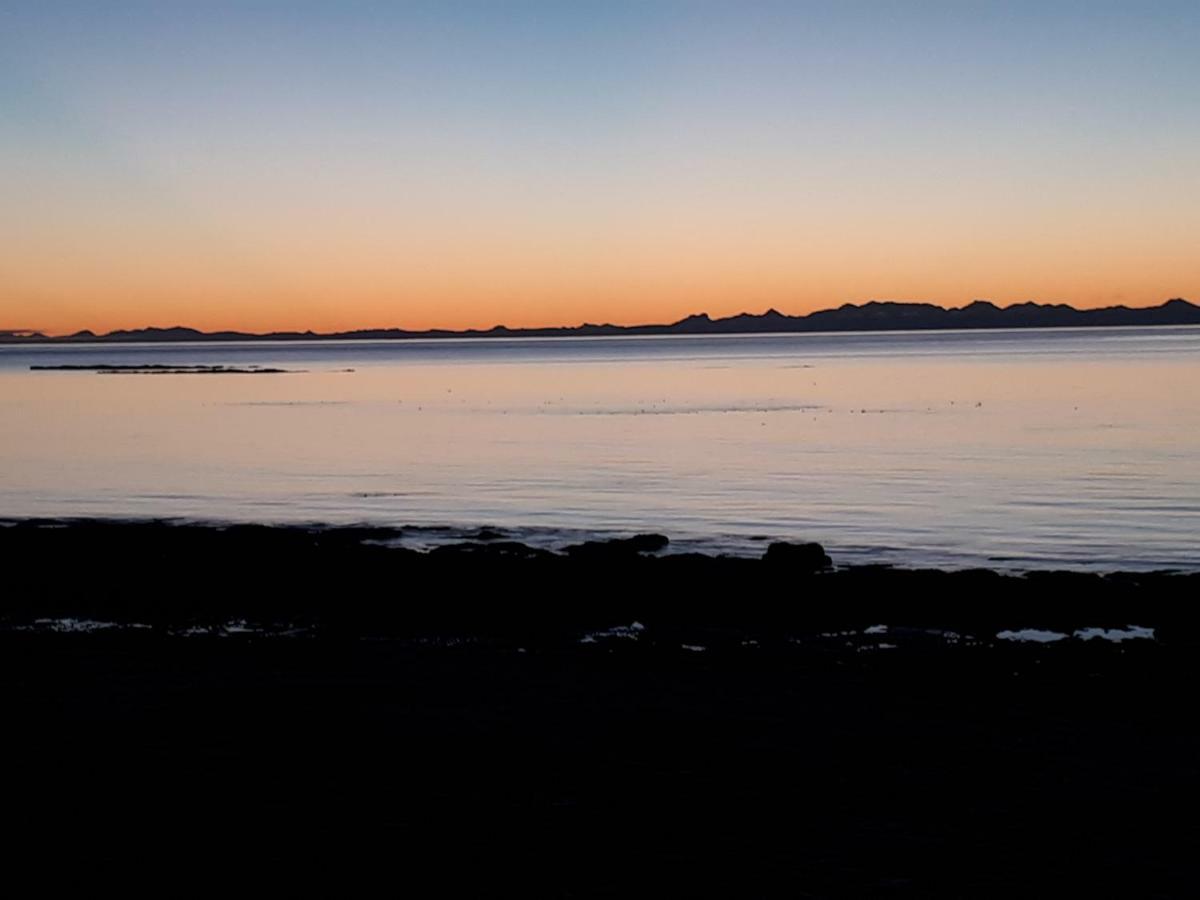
<point>606,720</point>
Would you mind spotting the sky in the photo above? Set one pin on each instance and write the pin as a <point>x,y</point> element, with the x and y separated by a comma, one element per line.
<point>265,166</point>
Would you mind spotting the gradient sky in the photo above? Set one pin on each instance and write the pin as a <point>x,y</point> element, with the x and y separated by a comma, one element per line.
<point>354,164</point>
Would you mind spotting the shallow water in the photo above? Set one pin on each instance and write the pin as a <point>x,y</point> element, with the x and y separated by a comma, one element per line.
<point>1015,449</point>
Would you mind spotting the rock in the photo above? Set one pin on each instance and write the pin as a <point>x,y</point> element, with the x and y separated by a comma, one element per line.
<point>809,557</point>
<point>619,548</point>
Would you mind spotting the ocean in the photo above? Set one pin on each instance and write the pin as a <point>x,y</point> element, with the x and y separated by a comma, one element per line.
<point>1023,449</point>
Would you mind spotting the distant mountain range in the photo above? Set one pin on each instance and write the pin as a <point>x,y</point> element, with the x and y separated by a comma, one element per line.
<point>872,316</point>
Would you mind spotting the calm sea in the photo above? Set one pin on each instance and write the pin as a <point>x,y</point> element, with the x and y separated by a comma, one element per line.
<point>1016,449</point>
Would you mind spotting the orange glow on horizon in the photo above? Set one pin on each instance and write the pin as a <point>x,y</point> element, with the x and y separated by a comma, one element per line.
<point>309,314</point>
<point>332,274</point>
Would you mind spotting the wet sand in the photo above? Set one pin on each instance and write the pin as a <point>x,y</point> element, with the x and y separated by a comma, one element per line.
<point>603,722</point>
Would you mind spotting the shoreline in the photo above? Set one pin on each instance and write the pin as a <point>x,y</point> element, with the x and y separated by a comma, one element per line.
<point>596,723</point>
<point>550,541</point>
<point>166,570</point>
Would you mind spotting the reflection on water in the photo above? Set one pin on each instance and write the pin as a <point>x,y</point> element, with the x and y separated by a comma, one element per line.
<point>1074,447</point>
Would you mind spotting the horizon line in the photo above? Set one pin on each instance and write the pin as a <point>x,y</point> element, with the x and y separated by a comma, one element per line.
<point>36,332</point>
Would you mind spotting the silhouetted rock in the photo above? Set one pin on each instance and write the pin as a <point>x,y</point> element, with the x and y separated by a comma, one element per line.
<point>809,557</point>
<point>357,580</point>
<point>619,548</point>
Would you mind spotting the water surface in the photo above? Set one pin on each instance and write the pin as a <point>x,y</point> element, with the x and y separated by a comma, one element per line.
<point>1074,447</point>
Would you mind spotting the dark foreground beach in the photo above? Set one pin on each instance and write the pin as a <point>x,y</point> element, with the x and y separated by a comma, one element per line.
<point>600,721</point>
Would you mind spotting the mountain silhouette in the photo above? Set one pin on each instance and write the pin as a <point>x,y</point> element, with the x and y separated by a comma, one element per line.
<point>871,316</point>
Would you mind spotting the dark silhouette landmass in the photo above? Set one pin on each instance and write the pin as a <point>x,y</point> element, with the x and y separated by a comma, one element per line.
<point>161,369</point>
<point>872,316</point>
<point>610,720</point>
